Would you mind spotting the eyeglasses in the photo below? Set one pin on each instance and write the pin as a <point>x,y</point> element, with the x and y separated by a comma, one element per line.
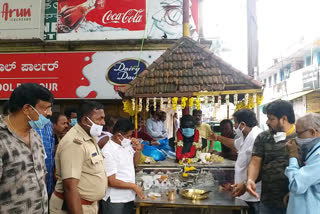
<point>47,111</point>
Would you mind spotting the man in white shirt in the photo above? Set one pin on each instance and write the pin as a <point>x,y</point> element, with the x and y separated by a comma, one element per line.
<point>155,127</point>
<point>122,154</point>
<point>246,129</point>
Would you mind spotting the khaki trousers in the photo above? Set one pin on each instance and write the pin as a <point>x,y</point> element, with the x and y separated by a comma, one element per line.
<point>55,206</point>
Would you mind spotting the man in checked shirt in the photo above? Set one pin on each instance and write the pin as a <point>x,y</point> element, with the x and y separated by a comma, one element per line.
<point>22,165</point>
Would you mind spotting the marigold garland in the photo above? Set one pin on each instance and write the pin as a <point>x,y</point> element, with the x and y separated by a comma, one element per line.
<point>235,99</point>
<point>140,105</point>
<point>246,99</point>
<point>198,103</point>
<point>154,104</point>
<point>219,101</point>
<point>147,104</point>
<point>161,104</point>
<point>127,107</point>
<point>183,102</point>
<point>206,101</point>
<point>174,103</point>
<point>133,104</point>
<point>227,99</point>
<point>250,103</point>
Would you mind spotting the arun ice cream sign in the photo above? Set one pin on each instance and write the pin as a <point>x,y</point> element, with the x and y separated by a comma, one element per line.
<point>21,19</point>
<point>15,13</point>
<point>124,71</point>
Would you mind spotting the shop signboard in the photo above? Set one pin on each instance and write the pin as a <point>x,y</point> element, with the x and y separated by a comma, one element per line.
<point>101,19</point>
<point>127,19</point>
<point>124,71</point>
<point>50,21</point>
<point>72,75</point>
<point>310,78</point>
<point>21,19</point>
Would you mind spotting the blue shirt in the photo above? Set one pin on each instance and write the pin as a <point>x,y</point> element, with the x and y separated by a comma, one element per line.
<point>156,129</point>
<point>304,184</point>
<point>47,137</point>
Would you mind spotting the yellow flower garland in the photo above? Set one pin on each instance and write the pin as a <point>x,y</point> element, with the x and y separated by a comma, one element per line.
<point>174,103</point>
<point>183,102</point>
<point>127,107</point>
<point>198,103</point>
<point>251,104</point>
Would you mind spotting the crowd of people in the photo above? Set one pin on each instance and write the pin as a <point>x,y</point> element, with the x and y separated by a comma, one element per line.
<point>83,161</point>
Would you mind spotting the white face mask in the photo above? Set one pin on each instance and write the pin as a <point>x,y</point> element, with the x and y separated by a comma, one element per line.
<point>95,130</point>
<point>279,136</point>
<point>238,131</point>
<point>125,142</point>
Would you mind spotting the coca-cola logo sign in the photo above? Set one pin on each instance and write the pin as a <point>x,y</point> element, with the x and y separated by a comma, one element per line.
<point>124,71</point>
<point>9,13</point>
<point>130,16</point>
<point>101,18</point>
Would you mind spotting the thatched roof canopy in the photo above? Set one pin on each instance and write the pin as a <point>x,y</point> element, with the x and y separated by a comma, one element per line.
<point>185,68</point>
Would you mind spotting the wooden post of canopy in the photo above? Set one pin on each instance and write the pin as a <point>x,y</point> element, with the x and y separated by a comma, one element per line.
<point>228,112</point>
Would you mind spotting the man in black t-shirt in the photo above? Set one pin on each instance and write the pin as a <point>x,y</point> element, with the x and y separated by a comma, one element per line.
<point>269,158</point>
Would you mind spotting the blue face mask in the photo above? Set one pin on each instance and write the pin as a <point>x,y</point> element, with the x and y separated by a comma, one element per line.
<point>40,123</point>
<point>187,132</point>
<point>73,122</point>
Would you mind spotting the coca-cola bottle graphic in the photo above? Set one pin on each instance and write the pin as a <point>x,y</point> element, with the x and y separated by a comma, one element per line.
<point>71,16</point>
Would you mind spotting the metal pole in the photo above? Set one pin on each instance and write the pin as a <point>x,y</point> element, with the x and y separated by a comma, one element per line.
<point>186,31</point>
<point>252,37</point>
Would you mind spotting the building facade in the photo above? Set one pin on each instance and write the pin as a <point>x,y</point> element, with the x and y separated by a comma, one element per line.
<point>294,78</point>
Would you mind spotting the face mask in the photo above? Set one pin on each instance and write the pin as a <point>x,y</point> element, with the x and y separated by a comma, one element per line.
<point>125,142</point>
<point>238,131</point>
<point>188,132</point>
<point>40,123</point>
<point>73,122</point>
<point>279,136</point>
<point>306,144</point>
<point>95,130</point>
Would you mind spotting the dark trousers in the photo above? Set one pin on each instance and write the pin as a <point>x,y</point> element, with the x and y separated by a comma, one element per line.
<point>271,210</point>
<point>106,207</point>
<point>253,207</point>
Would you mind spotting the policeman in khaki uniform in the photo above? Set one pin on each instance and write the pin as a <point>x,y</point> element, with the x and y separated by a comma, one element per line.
<point>80,168</point>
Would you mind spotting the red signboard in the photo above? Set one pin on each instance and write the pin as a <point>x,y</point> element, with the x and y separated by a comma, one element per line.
<point>57,72</point>
<point>74,74</point>
<point>123,14</point>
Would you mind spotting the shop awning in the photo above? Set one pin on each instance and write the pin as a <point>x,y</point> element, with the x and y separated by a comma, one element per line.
<point>296,95</point>
<point>288,97</point>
